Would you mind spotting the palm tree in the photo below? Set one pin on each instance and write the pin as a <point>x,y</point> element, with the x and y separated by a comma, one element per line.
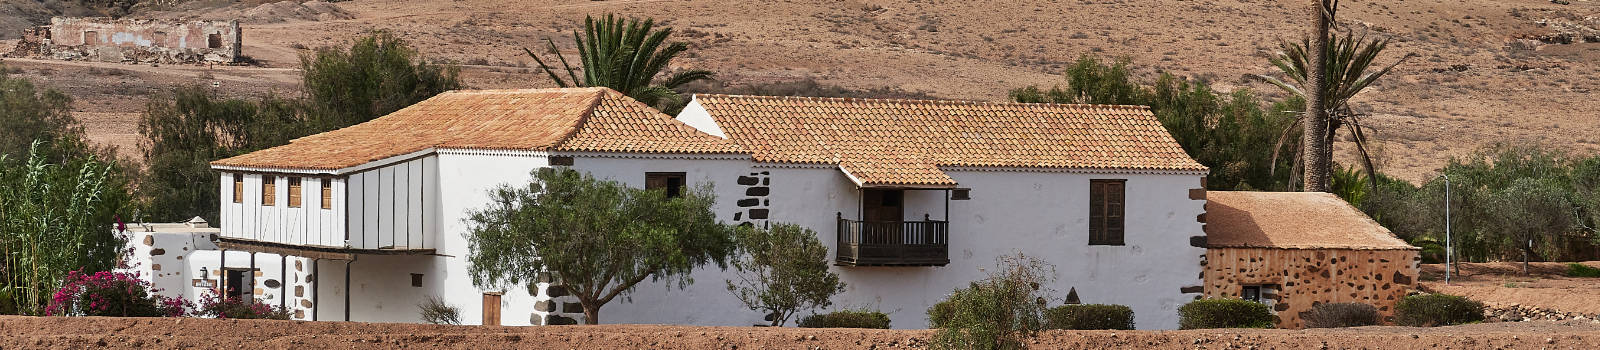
<point>625,57</point>
<point>1346,64</point>
<point>1313,143</point>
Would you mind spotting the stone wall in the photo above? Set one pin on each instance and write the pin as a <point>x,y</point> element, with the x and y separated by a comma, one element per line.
<point>133,41</point>
<point>1297,279</point>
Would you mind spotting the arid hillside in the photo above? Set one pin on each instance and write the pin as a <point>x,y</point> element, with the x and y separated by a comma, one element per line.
<point>1484,71</point>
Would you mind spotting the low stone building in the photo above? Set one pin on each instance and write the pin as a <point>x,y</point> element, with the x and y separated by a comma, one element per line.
<point>1295,250</point>
<point>133,41</point>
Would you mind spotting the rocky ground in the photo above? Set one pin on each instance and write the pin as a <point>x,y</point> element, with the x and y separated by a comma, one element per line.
<point>1546,293</point>
<point>159,333</point>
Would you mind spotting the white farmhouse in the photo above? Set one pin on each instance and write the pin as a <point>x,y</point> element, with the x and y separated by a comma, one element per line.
<point>915,198</point>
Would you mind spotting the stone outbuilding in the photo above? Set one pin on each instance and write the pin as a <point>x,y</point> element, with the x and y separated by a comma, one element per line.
<point>1295,250</point>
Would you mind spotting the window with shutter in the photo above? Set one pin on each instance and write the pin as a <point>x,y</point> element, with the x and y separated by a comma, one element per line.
<point>327,194</point>
<point>269,190</point>
<point>238,188</point>
<point>672,183</point>
<point>294,192</point>
<point>1106,207</point>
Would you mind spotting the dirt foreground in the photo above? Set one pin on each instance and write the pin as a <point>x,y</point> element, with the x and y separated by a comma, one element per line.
<point>97,332</point>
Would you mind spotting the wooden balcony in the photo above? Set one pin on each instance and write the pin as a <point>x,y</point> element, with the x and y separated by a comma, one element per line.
<point>893,243</point>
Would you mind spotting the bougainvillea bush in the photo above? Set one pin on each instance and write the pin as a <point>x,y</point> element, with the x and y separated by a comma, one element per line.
<point>108,293</point>
<point>214,305</point>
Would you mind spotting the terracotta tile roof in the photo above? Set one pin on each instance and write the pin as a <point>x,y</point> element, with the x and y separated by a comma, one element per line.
<point>1292,220</point>
<point>902,142</point>
<point>580,119</point>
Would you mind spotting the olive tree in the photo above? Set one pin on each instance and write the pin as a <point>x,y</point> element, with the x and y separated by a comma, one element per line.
<point>600,237</point>
<point>783,270</point>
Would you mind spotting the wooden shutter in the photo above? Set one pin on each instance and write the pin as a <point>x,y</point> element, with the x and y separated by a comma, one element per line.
<point>269,190</point>
<point>671,183</point>
<point>238,188</point>
<point>1107,199</point>
<point>491,309</point>
<point>327,194</point>
<point>294,192</point>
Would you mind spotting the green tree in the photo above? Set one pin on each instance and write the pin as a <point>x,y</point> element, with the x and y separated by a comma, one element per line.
<point>55,218</point>
<point>187,130</point>
<point>1230,133</point>
<point>625,55</point>
<point>783,270</point>
<point>1348,63</point>
<point>600,237</point>
<point>379,74</point>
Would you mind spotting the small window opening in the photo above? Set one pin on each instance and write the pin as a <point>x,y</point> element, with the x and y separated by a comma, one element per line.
<point>214,41</point>
<point>672,183</point>
<point>269,190</point>
<point>416,280</point>
<point>238,188</point>
<point>961,194</point>
<point>327,194</point>
<point>294,192</point>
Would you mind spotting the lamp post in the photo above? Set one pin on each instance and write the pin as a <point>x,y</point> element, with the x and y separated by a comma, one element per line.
<point>1449,250</point>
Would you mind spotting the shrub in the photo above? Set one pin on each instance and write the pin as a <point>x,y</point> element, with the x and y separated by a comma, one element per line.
<point>997,312</point>
<point>1090,316</point>
<point>1335,315</point>
<point>436,311</point>
<point>214,305</point>
<point>107,293</point>
<point>1224,313</point>
<point>847,319</point>
<point>782,270</point>
<point>1581,270</point>
<point>1431,310</point>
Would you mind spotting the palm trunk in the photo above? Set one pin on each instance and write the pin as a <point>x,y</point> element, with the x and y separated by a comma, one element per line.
<point>1317,148</point>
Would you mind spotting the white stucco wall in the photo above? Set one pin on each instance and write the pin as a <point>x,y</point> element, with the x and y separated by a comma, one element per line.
<point>1040,214</point>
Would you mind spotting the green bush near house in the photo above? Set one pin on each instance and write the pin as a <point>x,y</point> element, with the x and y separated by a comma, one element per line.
<point>1431,310</point>
<point>847,319</point>
<point>1089,316</point>
<point>1581,270</point>
<point>1336,315</point>
<point>1224,313</point>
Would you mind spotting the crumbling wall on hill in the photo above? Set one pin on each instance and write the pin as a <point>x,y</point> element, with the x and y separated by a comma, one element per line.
<point>133,41</point>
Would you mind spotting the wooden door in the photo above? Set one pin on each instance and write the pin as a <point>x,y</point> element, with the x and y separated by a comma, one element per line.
<point>883,205</point>
<point>491,309</point>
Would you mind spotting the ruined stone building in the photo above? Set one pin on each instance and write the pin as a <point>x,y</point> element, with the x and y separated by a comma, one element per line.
<point>133,41</point>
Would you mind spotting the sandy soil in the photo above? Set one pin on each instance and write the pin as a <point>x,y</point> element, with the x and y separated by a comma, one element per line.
<point>1502,284</point>
<point>89,332</point>
<point>1481,75</point>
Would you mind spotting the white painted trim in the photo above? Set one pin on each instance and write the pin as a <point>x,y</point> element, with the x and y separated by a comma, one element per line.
<point>387,161</point>
<point>257,170</point>
<point>493,152</point>
<point>1075,170</point>
<point>704,156</point>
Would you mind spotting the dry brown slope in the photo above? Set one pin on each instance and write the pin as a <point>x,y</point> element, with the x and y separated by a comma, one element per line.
<point>1472,84</point>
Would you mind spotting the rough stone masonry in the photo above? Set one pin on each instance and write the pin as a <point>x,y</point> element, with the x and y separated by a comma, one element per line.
<point>133,41</point>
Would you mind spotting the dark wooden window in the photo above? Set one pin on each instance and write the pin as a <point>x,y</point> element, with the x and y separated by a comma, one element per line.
<point>294,192</point>
<point>416,280</point>
<point>327,194</point>
<point>672,183</point>
<point>961,194</point>
<point>238,188</point>
<point>214,41</point>
<point>1251,293</point>
<point>269,190</point>
<point>1106,201</point>
<point>561,160</point>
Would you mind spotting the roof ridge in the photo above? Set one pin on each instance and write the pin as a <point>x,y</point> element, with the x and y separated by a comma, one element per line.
<point>925,101</point>
<point>577,123</point>
<point>526,90</point>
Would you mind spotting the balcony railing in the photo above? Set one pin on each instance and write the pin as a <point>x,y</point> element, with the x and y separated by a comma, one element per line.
<point>893,243</point>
